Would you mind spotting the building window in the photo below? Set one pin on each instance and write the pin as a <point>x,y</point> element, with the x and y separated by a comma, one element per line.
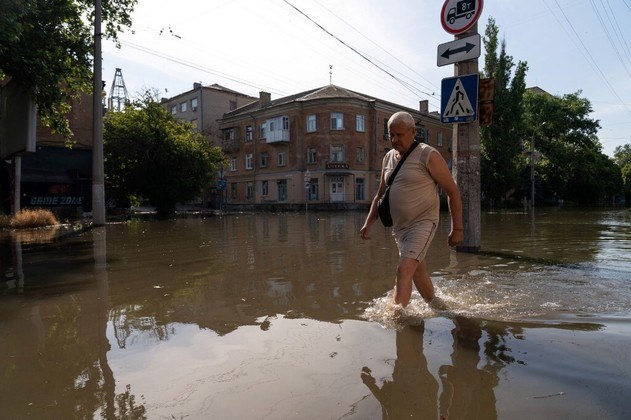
<point>265,188</point>
<point>264,159</point>
<point>359,123</point>
<point>359,189</point>
<point>361,155</point>
<point>337,121</point>
<point>386,132</point>
<point>263,131</point>
<point>233,163</point>
<point>233,105</point>
<point>174,110</point>
<point>249,190</point>
<point>312,155</point>
<point>427,136</point>
<point>285,123</point>
<point>281,159</point>
<point>248,133</point>
<point>233,190</point>
<point>282,189</point>
<point>337,154</point>
<point>248,161</point>
<point>183,107</point>
<point>229,134</point>
<point>313,189</point>
<point>439,139</point>
<point>311,123</point>
<point>194,104</point>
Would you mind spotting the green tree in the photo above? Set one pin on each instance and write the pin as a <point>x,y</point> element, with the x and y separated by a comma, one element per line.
<point>622,157</point>
<point>46,46</point>
<point>151,154</point>
<point>572,164</point>
<point>501,158</point>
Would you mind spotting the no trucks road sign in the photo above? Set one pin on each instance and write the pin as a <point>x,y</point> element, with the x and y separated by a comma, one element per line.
<point>457,16</point>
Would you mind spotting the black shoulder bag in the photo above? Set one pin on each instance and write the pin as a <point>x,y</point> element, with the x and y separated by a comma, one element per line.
<point>383,208</point>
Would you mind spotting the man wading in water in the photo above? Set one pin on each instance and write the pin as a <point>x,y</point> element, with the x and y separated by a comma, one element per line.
<point>415,206</point>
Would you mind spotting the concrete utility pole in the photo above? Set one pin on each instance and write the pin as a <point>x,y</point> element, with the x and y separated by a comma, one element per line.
<point>98,176</point>
<point>459,97</point>
<point>466,158</point>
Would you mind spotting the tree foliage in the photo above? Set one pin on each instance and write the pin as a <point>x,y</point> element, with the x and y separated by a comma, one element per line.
<point>501,159</point>
<point>151,154</point>
<point>572,164</point>
<point>46,46</point>
<point>622,157</point>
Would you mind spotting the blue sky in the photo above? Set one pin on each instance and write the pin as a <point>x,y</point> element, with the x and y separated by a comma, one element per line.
<point>268,45</point>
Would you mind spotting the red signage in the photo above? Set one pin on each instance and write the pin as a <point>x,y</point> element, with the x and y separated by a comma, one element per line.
<point>457,16</point>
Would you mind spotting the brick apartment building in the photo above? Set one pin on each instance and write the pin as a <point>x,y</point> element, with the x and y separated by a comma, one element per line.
<point>321,148</point>
<point>204,105</point>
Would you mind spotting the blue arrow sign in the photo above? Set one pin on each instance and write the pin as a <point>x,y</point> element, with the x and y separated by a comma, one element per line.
<point>459,99</point>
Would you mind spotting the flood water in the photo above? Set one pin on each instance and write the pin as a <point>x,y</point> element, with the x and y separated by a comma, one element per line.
<point>277,316</point>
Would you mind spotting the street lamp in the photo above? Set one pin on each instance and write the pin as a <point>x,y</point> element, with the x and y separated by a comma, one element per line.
<point>532,167</point>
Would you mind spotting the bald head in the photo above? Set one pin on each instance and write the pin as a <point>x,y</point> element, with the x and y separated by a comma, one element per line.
<point>402,117</point>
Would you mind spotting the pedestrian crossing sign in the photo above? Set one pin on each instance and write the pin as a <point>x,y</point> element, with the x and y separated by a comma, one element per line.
<point>459,99</point>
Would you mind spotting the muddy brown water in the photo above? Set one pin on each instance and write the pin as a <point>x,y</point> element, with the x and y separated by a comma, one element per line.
<point>278,316</point>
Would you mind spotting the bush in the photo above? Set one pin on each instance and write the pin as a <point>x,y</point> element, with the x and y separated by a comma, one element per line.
<point>28,218</point>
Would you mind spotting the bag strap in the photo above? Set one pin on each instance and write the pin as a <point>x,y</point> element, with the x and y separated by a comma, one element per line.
<point>396,170</point>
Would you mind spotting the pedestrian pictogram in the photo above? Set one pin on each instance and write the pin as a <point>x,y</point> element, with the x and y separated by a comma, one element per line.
<point>459,97</point>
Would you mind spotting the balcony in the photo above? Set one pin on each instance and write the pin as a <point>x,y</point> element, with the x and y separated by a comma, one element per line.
<point>230,145</point>
<point>277,136</point>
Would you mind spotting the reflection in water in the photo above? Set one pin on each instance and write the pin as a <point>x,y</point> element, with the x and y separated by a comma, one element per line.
<point>467,389</point>
<point>74,311</point>
<point>412,391</point>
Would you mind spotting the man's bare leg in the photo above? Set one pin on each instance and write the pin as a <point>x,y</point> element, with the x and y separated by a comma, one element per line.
<point>405,276</point>
<point>423,283</point>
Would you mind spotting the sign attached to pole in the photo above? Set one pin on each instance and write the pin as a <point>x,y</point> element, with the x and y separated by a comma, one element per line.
<point>457,16</point>
<point>459,99</point>
<point>462,49</point>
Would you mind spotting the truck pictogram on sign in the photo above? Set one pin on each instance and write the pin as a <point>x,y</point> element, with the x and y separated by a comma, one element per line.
<point>458,16</point>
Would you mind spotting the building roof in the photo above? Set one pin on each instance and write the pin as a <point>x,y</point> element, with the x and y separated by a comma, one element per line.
<point>326,92</point>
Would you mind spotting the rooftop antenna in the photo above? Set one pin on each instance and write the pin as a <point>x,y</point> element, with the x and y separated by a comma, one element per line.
<point>118,93</point>
<point>330,74</point>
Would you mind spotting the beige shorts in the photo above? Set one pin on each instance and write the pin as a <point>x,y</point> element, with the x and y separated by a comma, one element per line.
<point>414,240</point>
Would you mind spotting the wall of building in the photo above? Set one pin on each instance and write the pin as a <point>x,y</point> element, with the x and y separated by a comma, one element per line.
<point>336,181</point>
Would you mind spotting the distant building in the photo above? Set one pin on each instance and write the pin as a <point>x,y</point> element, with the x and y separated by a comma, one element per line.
<point>322,148</point>
<point>48,174</point>
<point>204,105</point>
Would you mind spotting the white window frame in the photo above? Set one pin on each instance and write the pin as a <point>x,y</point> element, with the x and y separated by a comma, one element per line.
<point>174,109</point>
<point>249,157</point>
<point>183,107</point>
<point>311,123</point>
<point>336,153</point>
<point>439,139</point>
<point>361,155</point>
<point>248,133</point>
<point>360,123</point>
<point>337,121</point>
<point>233,163</point>
<point>312,155</point>
<point>264,160</point>
<point>194,104</point>
<point>281,158</point>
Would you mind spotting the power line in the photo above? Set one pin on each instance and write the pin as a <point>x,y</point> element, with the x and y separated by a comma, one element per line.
<point>589,58</point>
<point>380,47</point>
<point>407,86</point>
